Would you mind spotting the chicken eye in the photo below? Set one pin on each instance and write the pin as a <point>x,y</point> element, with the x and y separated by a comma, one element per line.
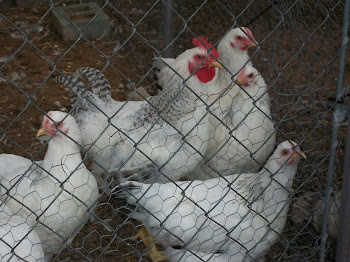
<point>285,152</point>
<point>250,75</point>
<point>199,57</point>
<point>239,37</point>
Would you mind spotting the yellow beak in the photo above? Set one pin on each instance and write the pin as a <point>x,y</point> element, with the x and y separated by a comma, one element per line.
<point>240,81</point>
<point>42,132</point>
<point>299,155</point>
<point>252,44</point>
<point>215,64</point>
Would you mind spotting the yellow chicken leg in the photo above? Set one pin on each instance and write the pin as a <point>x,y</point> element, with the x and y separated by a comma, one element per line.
<point>148,241</point>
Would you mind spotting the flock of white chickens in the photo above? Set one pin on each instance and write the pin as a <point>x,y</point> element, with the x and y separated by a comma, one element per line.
<point>195,162</point>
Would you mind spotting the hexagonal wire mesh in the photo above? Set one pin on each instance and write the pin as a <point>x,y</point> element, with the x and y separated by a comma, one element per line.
<point>183,133</point>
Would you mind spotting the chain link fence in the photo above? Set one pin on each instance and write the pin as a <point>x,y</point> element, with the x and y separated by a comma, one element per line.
<point>181,139</point>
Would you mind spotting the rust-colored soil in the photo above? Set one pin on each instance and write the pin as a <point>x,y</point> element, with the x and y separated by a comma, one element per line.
<point>298,58</point>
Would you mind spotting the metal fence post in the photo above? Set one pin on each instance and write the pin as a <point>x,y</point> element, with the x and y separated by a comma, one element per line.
<point>343,243</point>
<point>167,21</point>
<point>336,119</point>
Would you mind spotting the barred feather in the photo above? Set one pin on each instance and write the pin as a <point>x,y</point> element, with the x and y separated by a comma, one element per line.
<point>76,87</point>
<point>81,99</point>
<point>99,83</point>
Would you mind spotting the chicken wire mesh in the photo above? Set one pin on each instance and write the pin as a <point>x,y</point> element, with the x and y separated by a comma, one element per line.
<point>299,58</point>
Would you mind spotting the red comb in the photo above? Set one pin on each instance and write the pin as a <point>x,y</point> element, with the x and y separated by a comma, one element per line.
<point>203,42</point>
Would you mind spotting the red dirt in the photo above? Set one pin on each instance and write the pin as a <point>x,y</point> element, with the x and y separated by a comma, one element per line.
<point>302,69</point>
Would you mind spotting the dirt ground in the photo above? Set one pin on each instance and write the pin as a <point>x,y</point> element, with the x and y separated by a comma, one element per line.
<point>298,58</point>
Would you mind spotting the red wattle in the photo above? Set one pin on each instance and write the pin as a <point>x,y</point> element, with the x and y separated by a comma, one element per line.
<point>244,47</point>
<point>204,74</point>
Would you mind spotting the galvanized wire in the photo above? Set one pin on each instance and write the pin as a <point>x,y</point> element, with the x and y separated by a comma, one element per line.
<point>301,56</point>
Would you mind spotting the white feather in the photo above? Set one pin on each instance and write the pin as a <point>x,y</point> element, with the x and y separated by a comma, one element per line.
<point>17,234</point>
<point>244,132</point>
<point>55,210</point>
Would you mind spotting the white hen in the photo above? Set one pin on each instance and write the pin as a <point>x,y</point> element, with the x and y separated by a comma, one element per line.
<point>18,240</point>
<point>54,195</point>
<point>245,134</point>
<point>233,49</point>
<point>170,129</point>
<point>234,218</point>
